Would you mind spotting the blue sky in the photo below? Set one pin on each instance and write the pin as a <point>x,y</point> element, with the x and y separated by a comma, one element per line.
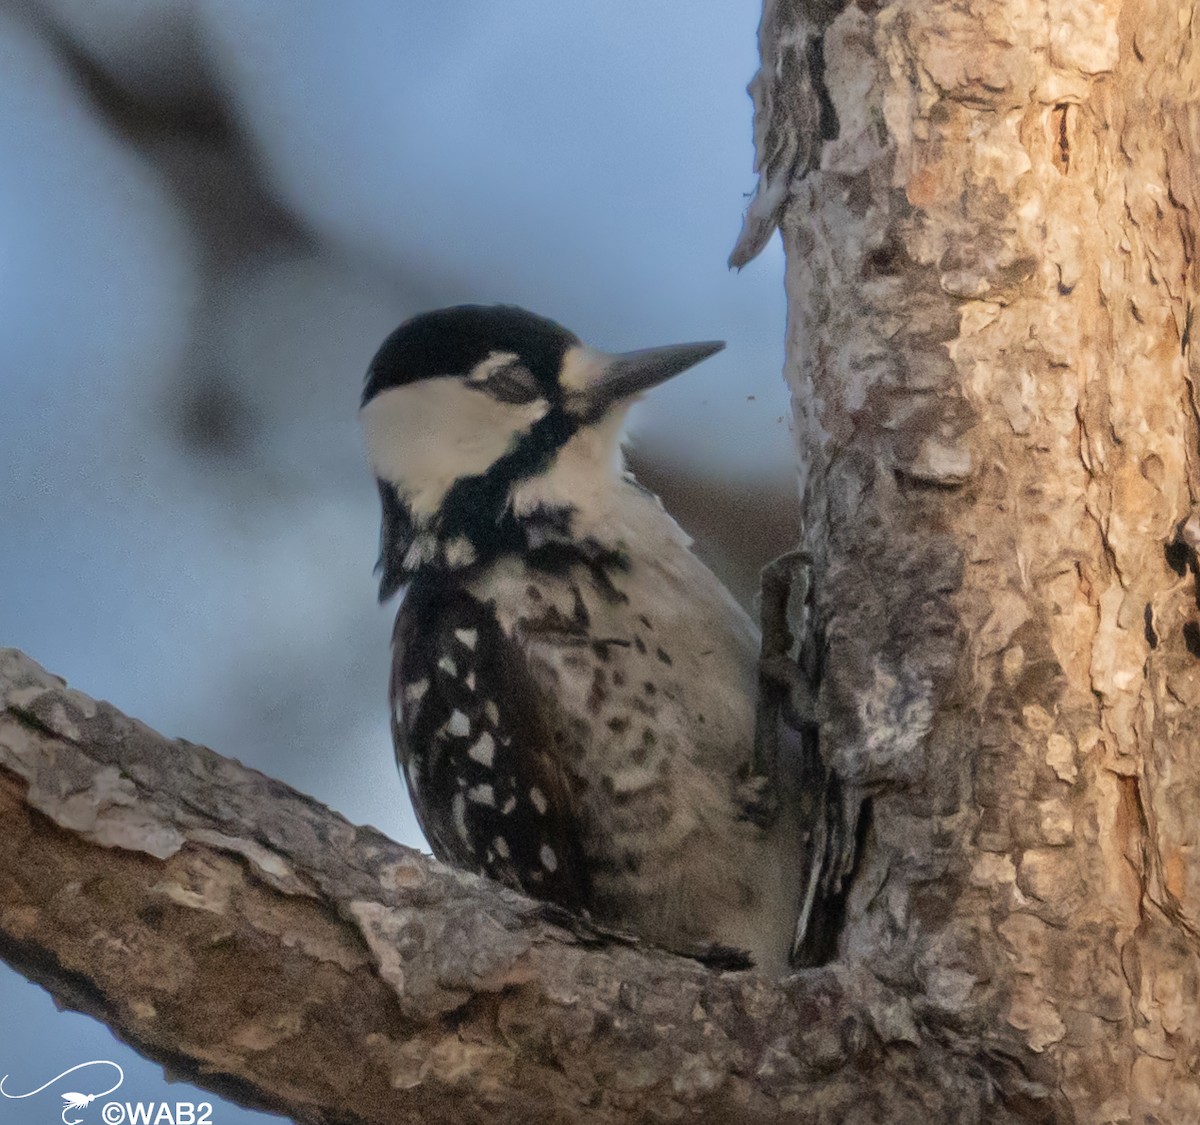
<point>590,161</point>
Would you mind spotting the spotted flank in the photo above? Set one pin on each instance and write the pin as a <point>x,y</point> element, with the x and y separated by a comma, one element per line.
<point>457,726</point>
<point>487,794</point>
<point>482,795</point>
<point>483,750</point>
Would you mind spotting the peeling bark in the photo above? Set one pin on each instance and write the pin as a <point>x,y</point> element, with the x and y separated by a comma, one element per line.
<point>792,113</point>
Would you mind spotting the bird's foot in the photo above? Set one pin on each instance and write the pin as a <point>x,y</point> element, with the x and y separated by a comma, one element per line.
<point>758,798</point>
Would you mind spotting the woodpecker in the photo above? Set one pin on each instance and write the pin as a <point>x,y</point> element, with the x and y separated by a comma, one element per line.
<point>572,691</point>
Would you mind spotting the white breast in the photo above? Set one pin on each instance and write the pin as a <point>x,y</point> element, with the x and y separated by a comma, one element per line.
<point>651,704</point>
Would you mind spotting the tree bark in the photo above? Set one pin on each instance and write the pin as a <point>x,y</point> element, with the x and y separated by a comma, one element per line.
<point>990,215</point>
<point>992,286</point>
<point>260,946</point>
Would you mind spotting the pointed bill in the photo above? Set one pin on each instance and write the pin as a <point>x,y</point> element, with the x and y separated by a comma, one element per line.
<point>628,374</point>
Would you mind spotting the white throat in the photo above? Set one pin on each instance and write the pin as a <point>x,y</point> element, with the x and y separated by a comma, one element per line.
<point>586,475</point>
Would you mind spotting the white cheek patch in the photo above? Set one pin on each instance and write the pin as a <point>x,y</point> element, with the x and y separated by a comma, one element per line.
<point>424,436</point>
<point>581,366</point>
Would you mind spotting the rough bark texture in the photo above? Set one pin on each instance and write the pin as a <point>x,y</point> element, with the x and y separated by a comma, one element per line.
<point>260,946</point>
<point>992,281</point>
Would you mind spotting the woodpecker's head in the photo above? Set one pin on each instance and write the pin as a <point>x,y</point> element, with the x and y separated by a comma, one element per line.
<point>482,421</point>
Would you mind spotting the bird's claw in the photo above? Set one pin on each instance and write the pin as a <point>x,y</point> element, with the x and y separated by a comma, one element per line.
<point>758,798</point>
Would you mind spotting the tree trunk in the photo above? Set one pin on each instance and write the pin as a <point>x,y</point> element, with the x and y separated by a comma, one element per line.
<point>992,282</point>
<point>992,277</point>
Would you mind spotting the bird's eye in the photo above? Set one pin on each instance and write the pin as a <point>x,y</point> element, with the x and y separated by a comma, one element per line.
<point>513,383</point>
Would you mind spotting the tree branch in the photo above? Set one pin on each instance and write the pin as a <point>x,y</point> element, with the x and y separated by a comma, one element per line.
<point>259,945</point>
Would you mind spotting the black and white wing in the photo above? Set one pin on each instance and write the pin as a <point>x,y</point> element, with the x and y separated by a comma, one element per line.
<point>488,791</point>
